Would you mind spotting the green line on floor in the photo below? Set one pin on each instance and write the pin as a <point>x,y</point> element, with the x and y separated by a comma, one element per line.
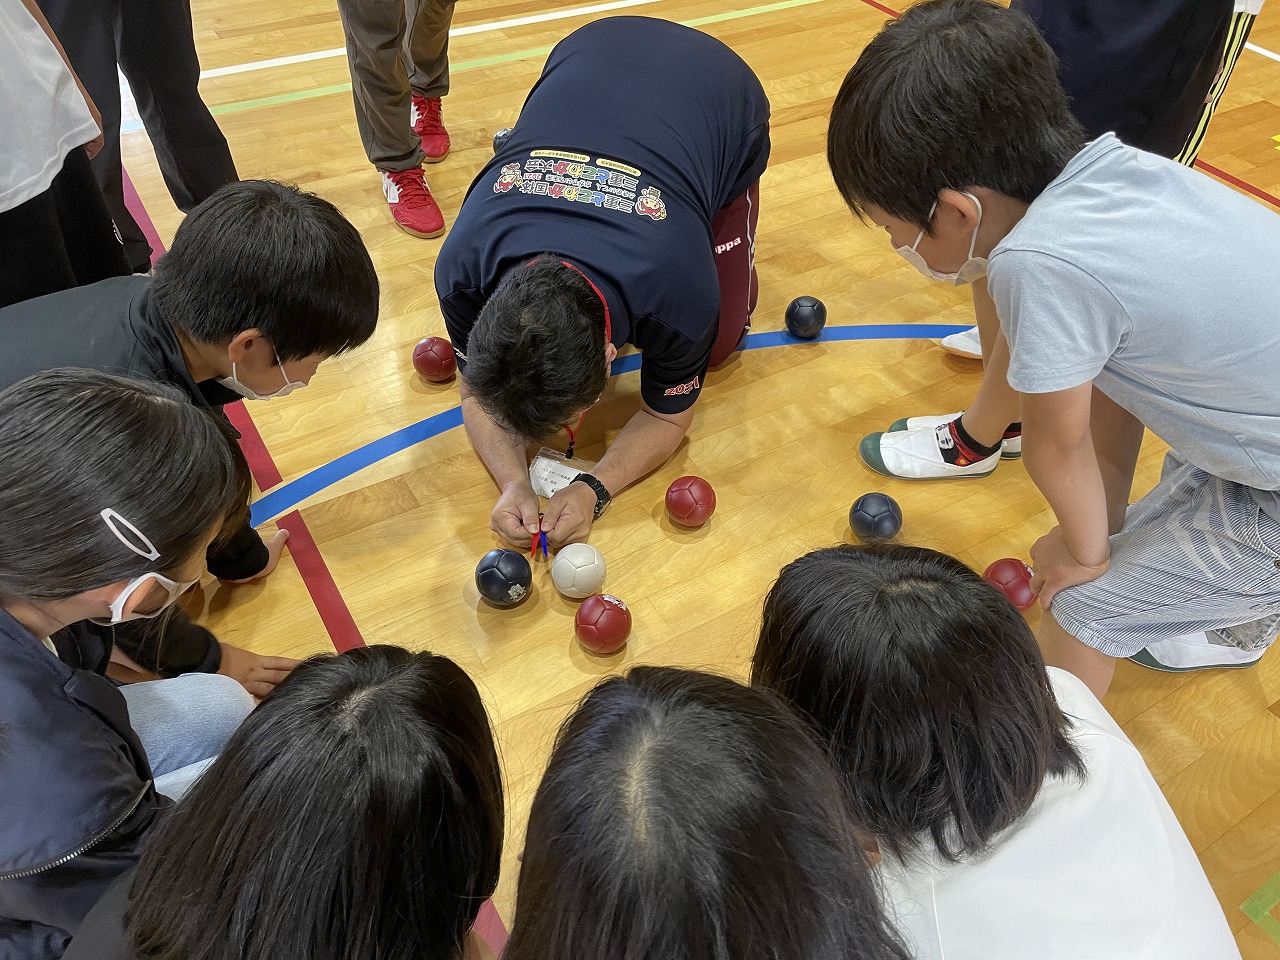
<point>462,66</point>
<point>1259,906</point>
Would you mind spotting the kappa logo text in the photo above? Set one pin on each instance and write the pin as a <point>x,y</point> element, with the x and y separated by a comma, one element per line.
<point>725,247</point>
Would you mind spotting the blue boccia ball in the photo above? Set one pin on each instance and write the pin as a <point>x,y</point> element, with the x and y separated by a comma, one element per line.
<point>875,516</point>
<point>500,137</point>
<point>806,316</point>
<point>503,577</point>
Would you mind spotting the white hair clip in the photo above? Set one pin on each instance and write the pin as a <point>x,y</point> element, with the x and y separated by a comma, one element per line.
<point>115,521</point>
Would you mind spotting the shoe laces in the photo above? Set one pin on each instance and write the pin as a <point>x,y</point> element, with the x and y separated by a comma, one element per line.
<point>429,120</point>
<point>414,191</point>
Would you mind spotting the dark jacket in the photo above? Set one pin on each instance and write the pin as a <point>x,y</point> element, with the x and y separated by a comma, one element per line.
<point>77,787</point>
<point>102,936</point>
<point>114,327</point>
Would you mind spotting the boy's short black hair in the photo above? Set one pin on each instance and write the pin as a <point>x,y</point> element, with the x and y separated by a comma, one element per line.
<point>266,255</point>
<point>954,94</point>
<point>929,687</point>
<point>535,356</point>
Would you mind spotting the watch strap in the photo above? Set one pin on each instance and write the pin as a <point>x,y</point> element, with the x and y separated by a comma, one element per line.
<point>603,496</point>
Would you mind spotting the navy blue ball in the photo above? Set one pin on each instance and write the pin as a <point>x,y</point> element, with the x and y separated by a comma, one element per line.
<point>499,137</point>
<point>503,577</point>
<point>806,316</point>
<point>875,516</point>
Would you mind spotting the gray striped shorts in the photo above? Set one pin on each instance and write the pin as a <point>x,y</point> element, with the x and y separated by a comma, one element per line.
<point>1196,554</point>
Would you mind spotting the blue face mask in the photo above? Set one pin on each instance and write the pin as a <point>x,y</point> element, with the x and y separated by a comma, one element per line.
<point>974,268</point>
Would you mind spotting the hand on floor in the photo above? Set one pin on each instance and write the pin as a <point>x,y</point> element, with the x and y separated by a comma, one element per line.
<point>257,674</point>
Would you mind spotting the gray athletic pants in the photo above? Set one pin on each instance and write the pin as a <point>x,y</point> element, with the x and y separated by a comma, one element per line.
<point>395,48</point>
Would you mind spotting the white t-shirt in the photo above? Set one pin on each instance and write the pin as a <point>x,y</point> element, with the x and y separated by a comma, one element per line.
<point>1099,870</point>
<point>45,117</point>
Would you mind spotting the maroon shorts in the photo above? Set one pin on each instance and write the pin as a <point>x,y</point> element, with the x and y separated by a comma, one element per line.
<point>734,233</point>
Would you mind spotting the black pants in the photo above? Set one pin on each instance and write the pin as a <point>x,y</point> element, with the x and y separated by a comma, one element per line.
<point>1139,70</point>
<point>61,239</point>
<point>153,44</point>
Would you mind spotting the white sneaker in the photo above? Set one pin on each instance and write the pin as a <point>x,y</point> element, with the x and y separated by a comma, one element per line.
<point>1196,651</point>
<point>966,343</point>
<point>1010,447</point>
<point>917,455</point>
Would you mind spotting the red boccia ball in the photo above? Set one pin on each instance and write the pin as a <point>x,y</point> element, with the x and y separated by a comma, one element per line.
<point>690,501</point>
<point>1012,577</point>
<point>433,358</point>
<point>602,624</point>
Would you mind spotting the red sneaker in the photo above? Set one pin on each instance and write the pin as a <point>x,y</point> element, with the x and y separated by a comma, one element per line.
<point>424,115</point>
<point>412,207</point>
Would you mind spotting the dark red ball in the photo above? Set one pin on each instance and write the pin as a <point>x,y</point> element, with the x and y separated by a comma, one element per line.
<point>690,501</point>
<point>433,358</point>
<point>1012,577</point>
<point>602,624</point>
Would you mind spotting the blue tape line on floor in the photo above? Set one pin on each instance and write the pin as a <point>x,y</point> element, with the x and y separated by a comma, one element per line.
<point>287,496</point>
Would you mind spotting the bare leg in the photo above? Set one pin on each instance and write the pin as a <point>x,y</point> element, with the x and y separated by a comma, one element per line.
<point>996,405</point>
<point>1062,650</point>
<point>984,311</point>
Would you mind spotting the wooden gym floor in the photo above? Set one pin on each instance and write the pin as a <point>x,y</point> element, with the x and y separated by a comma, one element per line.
<point>395,543</point>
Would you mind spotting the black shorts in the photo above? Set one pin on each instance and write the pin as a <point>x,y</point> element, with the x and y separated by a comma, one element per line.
<point>1140,70</point>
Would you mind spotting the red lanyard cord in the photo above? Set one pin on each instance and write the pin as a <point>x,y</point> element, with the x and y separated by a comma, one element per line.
<point>608,338</point>
<point>573,435</point>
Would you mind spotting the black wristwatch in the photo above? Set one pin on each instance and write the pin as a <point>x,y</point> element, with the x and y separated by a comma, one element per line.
<point>603,496</point>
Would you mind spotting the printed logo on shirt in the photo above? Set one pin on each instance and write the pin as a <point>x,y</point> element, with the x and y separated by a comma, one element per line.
<point>459,354</point>
<point>650,204</point>
<point>572,177</point>
<point>682,389</point>
<point>728,245</point>
<point>508,177</point>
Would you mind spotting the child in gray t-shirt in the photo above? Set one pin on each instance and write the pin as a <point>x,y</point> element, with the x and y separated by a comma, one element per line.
<point>1130,292</point>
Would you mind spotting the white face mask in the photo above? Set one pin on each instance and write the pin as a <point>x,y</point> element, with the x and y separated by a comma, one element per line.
<point>973,268</point>
<point>233,383</point>
<point>143,548</point>
<point>174,588</point>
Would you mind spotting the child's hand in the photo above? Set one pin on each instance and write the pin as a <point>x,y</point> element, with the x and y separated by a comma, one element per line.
<point>257,674</point>
<point>1053,568</point>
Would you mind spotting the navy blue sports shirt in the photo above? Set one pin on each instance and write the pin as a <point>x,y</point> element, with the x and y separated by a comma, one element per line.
<point>637,133</point>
